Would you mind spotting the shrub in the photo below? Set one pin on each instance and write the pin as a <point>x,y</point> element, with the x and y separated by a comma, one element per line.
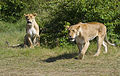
<point>74,11</point>
<point>54,15</point>
<point>11,10</point>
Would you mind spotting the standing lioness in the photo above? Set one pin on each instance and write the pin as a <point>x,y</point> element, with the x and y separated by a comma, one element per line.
<point>82,33</point>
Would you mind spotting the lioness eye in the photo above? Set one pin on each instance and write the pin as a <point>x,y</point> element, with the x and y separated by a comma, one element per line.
<point>73,30</point>
<point>26,16</point>
<point>30,16</point>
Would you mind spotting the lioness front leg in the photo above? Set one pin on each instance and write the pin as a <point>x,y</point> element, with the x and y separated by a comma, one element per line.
<point>34,40</point>
<point>80,46</point>
<point>30,42</point>
<point>83,51</point>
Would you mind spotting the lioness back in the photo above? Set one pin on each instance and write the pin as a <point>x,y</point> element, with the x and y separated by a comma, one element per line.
<point>93,28</point>
<point>96,25</point>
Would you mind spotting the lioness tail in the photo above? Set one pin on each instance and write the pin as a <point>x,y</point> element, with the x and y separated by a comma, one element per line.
<point>14,46</point>
<point>108,41</point>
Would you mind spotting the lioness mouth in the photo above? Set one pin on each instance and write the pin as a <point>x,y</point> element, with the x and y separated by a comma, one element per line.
<point>72,39</point>
<point>29,22</point>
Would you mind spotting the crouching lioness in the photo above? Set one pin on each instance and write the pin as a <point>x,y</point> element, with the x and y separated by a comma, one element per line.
<point>82,33</point>
<point>32,31</point>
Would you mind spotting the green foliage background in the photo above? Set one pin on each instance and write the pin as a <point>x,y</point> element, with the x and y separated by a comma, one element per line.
<point>54,15</point>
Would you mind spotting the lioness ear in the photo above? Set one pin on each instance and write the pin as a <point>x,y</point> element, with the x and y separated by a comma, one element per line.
<point>25,15</point>
<point>67,27</point>
<point>80,22</point>
<point>78,27</point>
<point>35,14</point>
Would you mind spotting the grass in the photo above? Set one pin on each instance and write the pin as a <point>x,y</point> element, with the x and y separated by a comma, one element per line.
<point>41,61</point>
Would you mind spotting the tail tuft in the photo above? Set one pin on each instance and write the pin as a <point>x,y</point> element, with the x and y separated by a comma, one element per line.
<point>113,44</point>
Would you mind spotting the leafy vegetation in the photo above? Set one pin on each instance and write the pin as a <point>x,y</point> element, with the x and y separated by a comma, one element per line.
<point>106,12</point>
<point>53,15</point>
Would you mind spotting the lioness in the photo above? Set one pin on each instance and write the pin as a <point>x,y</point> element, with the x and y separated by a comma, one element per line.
<point>32,30</point>
<point>82,33</point>
<point>32,37</point>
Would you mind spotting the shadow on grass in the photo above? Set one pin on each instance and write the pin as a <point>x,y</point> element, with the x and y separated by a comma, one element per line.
<point>59,57</point>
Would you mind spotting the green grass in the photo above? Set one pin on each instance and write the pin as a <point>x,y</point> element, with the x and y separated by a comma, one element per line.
<point>41,61</point>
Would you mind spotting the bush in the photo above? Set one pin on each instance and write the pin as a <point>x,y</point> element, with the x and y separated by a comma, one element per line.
<point>74,11</point>
<point>11,10</point>
<point>54,15</point>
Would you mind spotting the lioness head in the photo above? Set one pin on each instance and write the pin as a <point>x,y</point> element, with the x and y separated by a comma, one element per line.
<point>30,17</point>
<point>73,31</point>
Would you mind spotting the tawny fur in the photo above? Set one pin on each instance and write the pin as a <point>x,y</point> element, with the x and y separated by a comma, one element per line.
<point>32,37</point>
<point>82,33</point>
<point>32,30</point>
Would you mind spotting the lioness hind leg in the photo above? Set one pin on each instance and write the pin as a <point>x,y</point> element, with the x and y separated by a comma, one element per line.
<point>36,40</point>
<point>25,41</point>
<point>83,51</point>
<point>99,43</point>
<point>105,46</point>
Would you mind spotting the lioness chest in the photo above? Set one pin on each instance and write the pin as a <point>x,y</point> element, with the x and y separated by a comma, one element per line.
<point>31,31</point>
